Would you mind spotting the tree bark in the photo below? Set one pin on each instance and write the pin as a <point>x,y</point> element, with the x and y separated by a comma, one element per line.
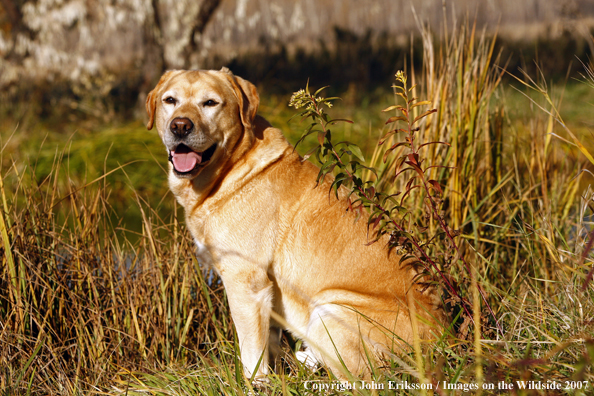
<point>156,41</point>
<point>14,14</point>
<point>207,10</point>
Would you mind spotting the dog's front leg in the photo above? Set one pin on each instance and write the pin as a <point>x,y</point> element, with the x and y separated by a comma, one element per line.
<point>250,299</point>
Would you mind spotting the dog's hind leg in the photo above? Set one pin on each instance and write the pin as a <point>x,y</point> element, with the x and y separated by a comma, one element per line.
<point>335,336</point>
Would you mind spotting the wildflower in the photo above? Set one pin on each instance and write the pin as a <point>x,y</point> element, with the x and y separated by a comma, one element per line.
<point>298,99</point>
<point>400,76</point>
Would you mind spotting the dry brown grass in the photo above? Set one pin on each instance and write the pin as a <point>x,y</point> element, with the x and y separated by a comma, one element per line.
<point>80,302</point>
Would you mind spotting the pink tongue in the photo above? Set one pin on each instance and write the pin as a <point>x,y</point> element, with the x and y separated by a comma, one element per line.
<point>185,161</point>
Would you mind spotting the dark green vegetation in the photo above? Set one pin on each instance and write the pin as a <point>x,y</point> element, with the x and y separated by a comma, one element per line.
<point>100,292</point>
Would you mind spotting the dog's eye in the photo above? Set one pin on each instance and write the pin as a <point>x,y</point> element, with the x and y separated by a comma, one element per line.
<point>170,100</point>
<point>210,103</point>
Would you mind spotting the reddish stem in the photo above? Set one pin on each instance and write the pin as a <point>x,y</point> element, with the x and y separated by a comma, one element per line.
<point>440,219</point>
<point>398,226</point>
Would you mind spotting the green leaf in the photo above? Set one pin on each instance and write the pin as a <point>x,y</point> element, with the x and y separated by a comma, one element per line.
<point>334,121</point>
<point>328,167</point>
<point>357,152</point>
<point>319,90</point>
<point>335,186</point>
<point>310,152</point>
<point>369,168</point>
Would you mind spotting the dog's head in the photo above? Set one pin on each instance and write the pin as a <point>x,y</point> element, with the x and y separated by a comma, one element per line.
<point>203,117</point>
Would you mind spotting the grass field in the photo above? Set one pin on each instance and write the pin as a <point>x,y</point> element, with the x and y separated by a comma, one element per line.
<point>100,292</point>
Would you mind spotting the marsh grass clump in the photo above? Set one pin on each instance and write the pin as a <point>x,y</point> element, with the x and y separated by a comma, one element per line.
<point>79,300</point>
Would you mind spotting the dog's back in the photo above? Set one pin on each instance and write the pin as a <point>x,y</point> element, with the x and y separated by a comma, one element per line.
<point>334,288</point>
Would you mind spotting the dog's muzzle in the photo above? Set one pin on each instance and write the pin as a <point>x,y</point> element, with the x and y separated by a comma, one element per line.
<point>186,161</point>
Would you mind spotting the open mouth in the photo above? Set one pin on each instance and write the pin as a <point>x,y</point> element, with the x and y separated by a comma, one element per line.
<point>185,160</point>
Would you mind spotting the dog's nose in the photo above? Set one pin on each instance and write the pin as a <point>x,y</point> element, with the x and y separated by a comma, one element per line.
<point>181,126</point>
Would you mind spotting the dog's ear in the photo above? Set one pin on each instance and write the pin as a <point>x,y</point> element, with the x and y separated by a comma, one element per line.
<point>151,99</point>
<point>247,96</point>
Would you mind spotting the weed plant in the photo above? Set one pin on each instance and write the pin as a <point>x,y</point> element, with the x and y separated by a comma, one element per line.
<point>497,206</point>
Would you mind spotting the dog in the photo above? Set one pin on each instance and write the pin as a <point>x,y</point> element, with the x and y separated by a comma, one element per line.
<point>289,253</point>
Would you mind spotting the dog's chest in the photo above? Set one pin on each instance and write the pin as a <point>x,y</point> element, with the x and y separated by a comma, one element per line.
<point>224,235</point>
<point>203,253</point>
<point>197,223</point>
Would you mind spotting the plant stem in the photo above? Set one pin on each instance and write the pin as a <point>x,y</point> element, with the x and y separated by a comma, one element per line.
<point>386,214</point>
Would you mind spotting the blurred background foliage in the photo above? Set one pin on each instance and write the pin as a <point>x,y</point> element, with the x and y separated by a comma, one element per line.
<point>100,57</point>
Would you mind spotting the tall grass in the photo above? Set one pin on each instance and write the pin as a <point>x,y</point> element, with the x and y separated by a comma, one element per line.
<point>511,197</point>
<point>79,302</point>
<point>513,193</point>
<point>85,308</point>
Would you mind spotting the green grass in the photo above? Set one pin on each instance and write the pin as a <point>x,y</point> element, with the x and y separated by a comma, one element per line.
<point>100,292</point>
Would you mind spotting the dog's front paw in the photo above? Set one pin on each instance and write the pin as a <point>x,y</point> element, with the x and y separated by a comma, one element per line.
<point>308,359</point>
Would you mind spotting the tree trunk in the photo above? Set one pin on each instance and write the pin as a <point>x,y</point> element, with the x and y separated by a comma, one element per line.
<point>14,15</point>
<point>207,10</point>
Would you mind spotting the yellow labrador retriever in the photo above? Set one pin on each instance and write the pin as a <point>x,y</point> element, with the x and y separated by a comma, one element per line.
<point>288,252</point>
